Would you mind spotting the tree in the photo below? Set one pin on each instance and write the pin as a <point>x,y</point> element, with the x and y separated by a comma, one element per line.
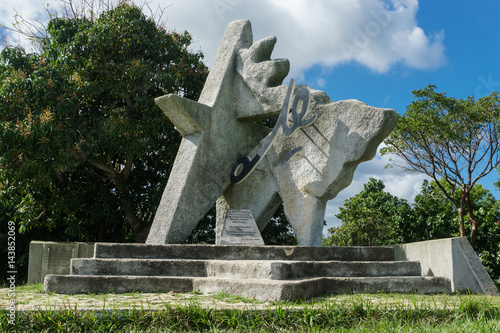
<point>375,217</point>
<point>434,214</point>
<point>279,231</point>
<point>453,141</point>
<point>82,142</point>
<point>372,217</point>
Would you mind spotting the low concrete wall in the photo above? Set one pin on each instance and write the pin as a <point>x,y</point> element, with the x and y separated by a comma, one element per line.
<point>54,258</point>
<point>452,258</point>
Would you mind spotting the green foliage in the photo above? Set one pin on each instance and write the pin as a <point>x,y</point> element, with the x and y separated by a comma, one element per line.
<point>278,231</point>
<point>434,217</point>
<point>83,147</point>
<point>372,217</point>
<point>375,217</point>
<point>453,141</point>
<point>359,313</point>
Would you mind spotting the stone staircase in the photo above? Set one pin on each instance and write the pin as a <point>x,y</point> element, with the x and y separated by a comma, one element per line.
<point>261,272</point>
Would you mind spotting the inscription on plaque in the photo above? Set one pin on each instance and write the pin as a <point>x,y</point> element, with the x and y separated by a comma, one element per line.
<point>240,229</point>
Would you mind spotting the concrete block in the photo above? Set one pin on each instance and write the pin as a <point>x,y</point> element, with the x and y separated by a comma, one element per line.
<point>271,290</point>
<point>241,252</point>
<point>277,272</point>
<point>452,258</point>
<point>243,269</point>
<point>54,258</point>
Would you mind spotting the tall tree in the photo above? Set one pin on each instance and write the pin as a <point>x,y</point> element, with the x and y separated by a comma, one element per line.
<point>453,141</point>
<point>372,217</point>
<point>82,141</point>
<point>375,217</point>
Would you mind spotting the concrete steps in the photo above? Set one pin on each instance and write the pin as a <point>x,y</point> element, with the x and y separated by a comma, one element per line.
<point>258,289</point>
<point>241,252</point>
<point>243,269</point>
<point>261,272</point>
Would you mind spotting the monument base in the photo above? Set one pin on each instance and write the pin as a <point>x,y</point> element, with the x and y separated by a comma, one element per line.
<point>260,272</point>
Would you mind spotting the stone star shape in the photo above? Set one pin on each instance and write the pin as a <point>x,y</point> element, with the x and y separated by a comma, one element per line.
<point>216,131</point>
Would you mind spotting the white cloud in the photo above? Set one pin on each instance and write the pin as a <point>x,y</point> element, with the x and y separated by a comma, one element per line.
<point>375,33</point>
<point>403,185</point>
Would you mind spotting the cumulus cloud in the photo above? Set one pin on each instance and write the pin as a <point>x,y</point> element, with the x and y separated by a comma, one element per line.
<point>375,33</point>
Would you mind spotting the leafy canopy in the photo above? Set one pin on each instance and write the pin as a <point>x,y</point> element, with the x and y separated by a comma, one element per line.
<point>453,141</point>
<point>82,143</point>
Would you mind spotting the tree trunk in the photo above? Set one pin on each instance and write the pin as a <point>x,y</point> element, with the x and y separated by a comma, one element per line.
<point>461,221</point>
<point>473,220</point>
<point>141,229</point>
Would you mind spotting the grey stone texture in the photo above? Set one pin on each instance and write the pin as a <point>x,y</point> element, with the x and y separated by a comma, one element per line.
<point>344,134</point>
<point>54,258</point>
<point>244,84</point>
<point>452,258</point>
<point>213,138</point>
<point>261,272</point>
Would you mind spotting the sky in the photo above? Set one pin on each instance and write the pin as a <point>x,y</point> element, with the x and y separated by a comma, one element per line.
<point>375,51</point>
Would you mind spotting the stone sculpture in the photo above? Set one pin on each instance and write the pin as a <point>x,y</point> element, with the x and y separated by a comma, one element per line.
<point>308,157</point>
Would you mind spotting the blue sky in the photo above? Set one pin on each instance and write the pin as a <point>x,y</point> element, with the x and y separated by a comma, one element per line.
<point>376,51</point>
<point>471,48</point>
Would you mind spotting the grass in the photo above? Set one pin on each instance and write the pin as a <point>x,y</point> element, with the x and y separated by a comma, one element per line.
<point>341,313</point>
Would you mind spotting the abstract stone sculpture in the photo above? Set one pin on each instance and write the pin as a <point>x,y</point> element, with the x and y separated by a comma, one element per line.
<point>303,168</point>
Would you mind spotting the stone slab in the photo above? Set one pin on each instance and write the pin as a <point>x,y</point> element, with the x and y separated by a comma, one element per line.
<point>243,269</point>
<point>452,258</point>
<point>239,228</point>
<point>258,289</point>
<point>54,258</point>
<point>239,252</point>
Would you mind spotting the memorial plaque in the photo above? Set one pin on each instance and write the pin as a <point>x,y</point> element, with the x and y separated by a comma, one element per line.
<point>240,229</point>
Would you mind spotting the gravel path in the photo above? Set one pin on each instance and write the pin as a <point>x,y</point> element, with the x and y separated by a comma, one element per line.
<point>27,300</point>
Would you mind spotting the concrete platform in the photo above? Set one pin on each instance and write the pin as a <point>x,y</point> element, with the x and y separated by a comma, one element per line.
<point>270,290</point>
<point>263,272</point>
<point>243,269</point>
<point>241,252</point>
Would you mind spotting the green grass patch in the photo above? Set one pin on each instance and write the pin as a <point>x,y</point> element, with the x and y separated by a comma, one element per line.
<point>342,313</point>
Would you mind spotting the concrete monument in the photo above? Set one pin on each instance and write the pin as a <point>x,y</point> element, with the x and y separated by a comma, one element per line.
<point>249,170</point>
<point>304,161</point>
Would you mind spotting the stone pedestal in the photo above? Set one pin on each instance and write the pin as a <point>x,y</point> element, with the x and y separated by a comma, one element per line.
<point>261,272</point>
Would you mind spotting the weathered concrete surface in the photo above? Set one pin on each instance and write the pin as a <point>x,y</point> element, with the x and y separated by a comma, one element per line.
<point>452,258</point>
<point>344,134</point>
<point>243,269</point>
<point>239,252</point>
<point>244,84</point>
<point>213,138</point>
<point>54,258</point>
<point>273,290</point>
<point>262,272</point>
